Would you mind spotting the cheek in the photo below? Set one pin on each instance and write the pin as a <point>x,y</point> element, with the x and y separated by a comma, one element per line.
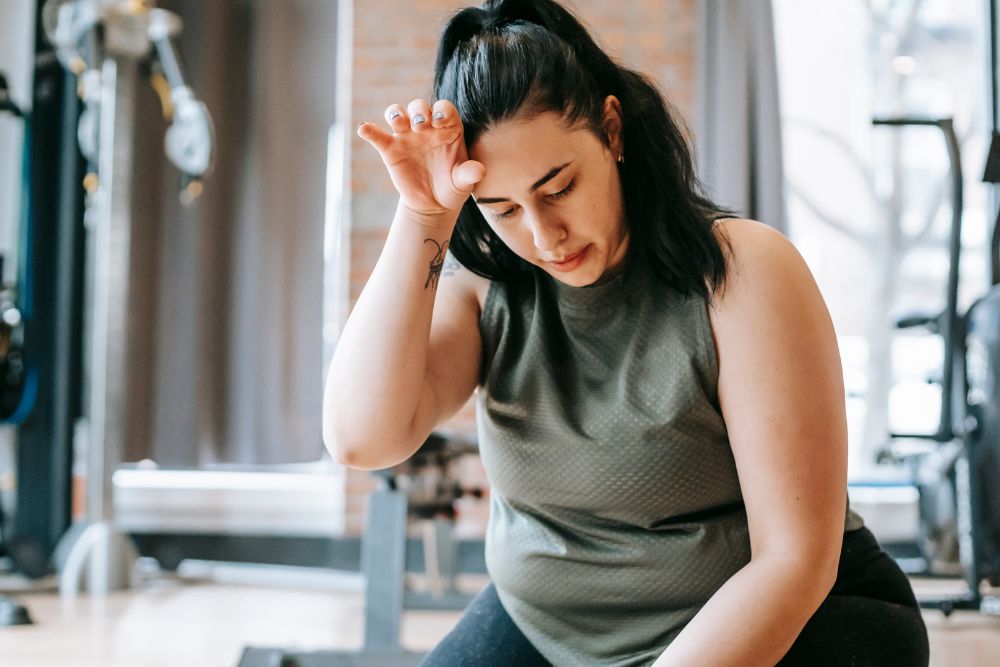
<point>610,202</point>
<point>589,215</point>
<point>507,234</point>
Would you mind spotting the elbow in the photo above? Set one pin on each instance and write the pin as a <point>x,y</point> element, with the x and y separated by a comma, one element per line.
<point>812,575</point>
<point>367,450</point>
<point>826,560</point>
<point>344,449</point>
<point>338,444</point>
<point>342,440</point>
<point>817,572</point>
<point>822,575</point>
<point>342,455</point>
<point>820,581</point>
<point>349,456</point>
<point>809,557</point>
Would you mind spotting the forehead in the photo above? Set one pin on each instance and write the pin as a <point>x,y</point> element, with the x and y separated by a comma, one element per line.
<point>517,153</point>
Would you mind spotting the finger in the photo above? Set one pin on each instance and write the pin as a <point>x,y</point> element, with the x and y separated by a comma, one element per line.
<point>466,175</point>
<point>420,114</point>
<point>375,136</point>
<point>397,119</point>
<point>444,114</point>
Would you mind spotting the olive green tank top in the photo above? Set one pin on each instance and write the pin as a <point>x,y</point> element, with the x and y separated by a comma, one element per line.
<point>615,507</point>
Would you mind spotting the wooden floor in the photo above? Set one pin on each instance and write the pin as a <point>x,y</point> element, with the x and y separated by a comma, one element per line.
<point>174,623</point>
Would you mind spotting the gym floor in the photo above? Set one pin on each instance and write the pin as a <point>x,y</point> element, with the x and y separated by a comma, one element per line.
<point>174,623</point>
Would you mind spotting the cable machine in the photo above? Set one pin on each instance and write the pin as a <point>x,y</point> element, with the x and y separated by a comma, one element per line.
<point>105,44</point>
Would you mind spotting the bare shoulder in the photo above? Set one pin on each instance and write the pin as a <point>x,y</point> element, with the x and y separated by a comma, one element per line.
<point>758,258</point>
<point>464,283</point>
<point>770,303</point>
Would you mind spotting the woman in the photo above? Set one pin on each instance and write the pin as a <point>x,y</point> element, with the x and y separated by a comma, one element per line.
<point>660,399</point>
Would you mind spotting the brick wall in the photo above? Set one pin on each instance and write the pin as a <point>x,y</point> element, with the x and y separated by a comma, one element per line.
<point>394,45</point>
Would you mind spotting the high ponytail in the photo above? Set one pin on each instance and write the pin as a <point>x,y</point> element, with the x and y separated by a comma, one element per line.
<point>512,59</point>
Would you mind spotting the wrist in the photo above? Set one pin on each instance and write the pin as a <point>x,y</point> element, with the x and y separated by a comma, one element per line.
<point>443,221</point>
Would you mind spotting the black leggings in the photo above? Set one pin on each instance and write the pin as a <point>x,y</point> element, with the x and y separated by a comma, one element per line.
<point>869,619</point>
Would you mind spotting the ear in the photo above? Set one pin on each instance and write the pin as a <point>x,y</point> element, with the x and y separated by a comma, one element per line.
<point>612,123</point>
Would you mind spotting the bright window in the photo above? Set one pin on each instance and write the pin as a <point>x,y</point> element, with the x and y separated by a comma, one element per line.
<point>870,208</point>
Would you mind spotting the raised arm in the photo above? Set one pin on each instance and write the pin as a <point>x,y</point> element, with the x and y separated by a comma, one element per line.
<point>409,354</point>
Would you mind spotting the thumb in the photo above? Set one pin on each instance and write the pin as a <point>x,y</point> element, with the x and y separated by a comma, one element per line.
<point>467,174</point>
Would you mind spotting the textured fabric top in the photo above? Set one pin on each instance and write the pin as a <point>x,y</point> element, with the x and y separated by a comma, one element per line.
<point>615,509</point>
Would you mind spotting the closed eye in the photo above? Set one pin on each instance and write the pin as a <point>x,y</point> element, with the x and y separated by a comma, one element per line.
<point>555,195</point>
<point>565,191</point>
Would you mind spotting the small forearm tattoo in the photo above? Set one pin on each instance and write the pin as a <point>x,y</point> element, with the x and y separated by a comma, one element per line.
<point>437,264</point>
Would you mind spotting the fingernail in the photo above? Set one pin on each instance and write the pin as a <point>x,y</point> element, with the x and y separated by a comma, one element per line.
<point>419,118</point>
<point>394,115</point>
<point>439,116</point>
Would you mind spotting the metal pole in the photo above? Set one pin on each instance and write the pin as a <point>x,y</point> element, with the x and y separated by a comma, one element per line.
<point>108,242</point>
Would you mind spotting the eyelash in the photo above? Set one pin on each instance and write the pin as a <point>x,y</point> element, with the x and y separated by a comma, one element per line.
<point>555,195</point>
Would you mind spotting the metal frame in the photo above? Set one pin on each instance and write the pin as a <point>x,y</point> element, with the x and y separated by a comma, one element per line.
<point>384,564</point>
<point>955,423</point>
<point>103,42</point>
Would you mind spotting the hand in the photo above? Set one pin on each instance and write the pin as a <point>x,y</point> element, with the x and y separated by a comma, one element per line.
<point>425,156</point>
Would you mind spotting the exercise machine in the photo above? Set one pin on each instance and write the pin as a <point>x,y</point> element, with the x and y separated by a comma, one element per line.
<point>106,44</point>
<point>422,489</point>
<point>957,473</point>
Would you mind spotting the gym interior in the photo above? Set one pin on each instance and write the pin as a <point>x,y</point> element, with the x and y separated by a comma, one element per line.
<point>187,217</point>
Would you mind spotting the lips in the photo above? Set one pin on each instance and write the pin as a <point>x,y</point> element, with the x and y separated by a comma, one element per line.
<point>570,262</point>
<point>568,258</point>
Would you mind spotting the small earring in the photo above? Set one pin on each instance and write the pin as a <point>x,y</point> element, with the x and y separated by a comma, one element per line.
<point>621,158</point>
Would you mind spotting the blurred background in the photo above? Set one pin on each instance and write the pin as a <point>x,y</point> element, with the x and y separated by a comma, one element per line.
<point>187,217</point>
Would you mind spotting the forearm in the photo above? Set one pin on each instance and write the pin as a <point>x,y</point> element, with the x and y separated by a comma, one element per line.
<point>753,619</point>
<point>377,372</point>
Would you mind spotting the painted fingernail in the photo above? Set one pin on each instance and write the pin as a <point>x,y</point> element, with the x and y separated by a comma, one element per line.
<point>394,115</point>
<point>439,116</point>
<point>419,118</point>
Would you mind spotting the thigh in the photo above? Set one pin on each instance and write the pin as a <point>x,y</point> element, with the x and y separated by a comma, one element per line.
<point>485,636</point>
<point>871,616</point>
<point>861,632</point>
<point>867,571</point>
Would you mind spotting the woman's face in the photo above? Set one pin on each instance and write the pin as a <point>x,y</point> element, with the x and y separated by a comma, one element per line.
<point>553,195</point>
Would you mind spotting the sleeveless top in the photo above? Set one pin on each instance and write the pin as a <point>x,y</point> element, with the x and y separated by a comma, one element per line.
<point>615,507</point>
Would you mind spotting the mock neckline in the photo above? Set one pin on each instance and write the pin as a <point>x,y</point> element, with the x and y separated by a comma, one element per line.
<point>603,295</point>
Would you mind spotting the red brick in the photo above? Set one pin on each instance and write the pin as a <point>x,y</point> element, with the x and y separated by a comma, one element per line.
<point>394,63</point>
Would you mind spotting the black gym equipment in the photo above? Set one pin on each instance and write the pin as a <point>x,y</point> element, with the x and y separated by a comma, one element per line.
<point>18,383</point>
<point>40,334</point>
<point>50,288</point>
<point>15,402</point>
<point>946,485</point>
<point>958,476</point>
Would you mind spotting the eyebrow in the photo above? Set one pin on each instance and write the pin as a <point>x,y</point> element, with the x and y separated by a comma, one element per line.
<point>552,173</point>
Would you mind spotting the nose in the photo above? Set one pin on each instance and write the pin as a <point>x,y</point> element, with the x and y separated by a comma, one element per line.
<point>546,232</point>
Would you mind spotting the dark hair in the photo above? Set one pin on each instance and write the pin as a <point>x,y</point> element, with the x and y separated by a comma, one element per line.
<point>518,58</point>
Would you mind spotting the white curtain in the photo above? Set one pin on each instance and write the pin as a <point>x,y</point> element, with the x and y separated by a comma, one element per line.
<point>737,116</point>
